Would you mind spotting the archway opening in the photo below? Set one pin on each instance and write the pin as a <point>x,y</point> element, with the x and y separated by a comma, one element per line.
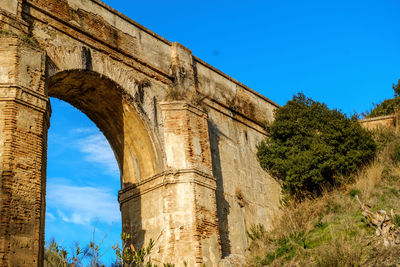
<point>114,113</point>
<point>82,186</point>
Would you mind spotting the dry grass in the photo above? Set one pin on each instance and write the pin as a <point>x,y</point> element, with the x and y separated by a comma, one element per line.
<point>330,230</point>
<point>368,178</point>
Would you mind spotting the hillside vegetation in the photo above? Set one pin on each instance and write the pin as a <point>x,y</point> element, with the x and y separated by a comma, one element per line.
<point>312,147</point>
<point>331,230</point>
<point>388,106</point>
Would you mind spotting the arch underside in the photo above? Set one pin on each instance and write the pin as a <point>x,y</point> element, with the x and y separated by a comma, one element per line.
<point>106,104</point>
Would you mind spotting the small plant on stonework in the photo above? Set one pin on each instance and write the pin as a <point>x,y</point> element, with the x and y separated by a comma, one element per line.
<point>7,33</point>
<point>197,99</point>
<point>257,231</point>
<point>175,94</point>
<point>128,255</point>
<point>22,37</point>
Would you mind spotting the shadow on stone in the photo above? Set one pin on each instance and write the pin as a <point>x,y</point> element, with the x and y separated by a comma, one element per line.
<point>223,207</point>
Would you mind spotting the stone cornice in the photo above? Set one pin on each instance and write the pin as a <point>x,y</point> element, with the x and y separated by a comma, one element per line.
<point>166,178</point>
<point>183,105</point>
<point>24,96</point>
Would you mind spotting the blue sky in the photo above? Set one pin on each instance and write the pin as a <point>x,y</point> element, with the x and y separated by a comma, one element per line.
<point>82,182</point>
<point>343,53</point>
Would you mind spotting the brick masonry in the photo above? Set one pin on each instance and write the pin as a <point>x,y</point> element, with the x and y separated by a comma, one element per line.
<point>189,174</point>
<point>389,121</point>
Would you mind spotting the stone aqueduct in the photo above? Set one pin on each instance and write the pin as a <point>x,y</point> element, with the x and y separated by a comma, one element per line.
<point>184,134</point>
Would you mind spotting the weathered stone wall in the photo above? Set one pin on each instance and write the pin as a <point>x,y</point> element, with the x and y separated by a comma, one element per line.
<point>246,195</point>
<point>189,174</point>
<point>389,121</point>
<point>178,206</point>
<point>24,118</point>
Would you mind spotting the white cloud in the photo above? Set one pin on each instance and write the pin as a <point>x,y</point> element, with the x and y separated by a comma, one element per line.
<point>82,205</point>
<point>50,217</point>
<point>97,149</point>
<point>83,130</point>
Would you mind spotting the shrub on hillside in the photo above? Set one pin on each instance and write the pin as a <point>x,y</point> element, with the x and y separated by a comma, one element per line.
<point>310,146</point>
<point>388,106</point>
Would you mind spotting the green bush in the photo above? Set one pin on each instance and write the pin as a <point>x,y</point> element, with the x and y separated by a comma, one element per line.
<point>383,136</point>
<point>130,256</point>
<point>388,106</point>
<point>396,220</point>
<point>395,155</point>
<point>354,192</point>
<point>310,146</point>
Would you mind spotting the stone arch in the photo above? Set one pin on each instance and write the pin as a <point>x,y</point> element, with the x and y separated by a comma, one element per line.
<point>107,104</point>
<point>167,142</point>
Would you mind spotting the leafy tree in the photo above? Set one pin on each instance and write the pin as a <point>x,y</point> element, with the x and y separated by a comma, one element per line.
<point>310,146</point>
<point>57,256</point>
<point>129,256</point>
<point>388,106</point>
<point>396,89</point>
<point>126,256</point>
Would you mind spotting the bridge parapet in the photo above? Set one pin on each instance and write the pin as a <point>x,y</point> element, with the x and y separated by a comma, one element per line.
<point>381,122</point>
